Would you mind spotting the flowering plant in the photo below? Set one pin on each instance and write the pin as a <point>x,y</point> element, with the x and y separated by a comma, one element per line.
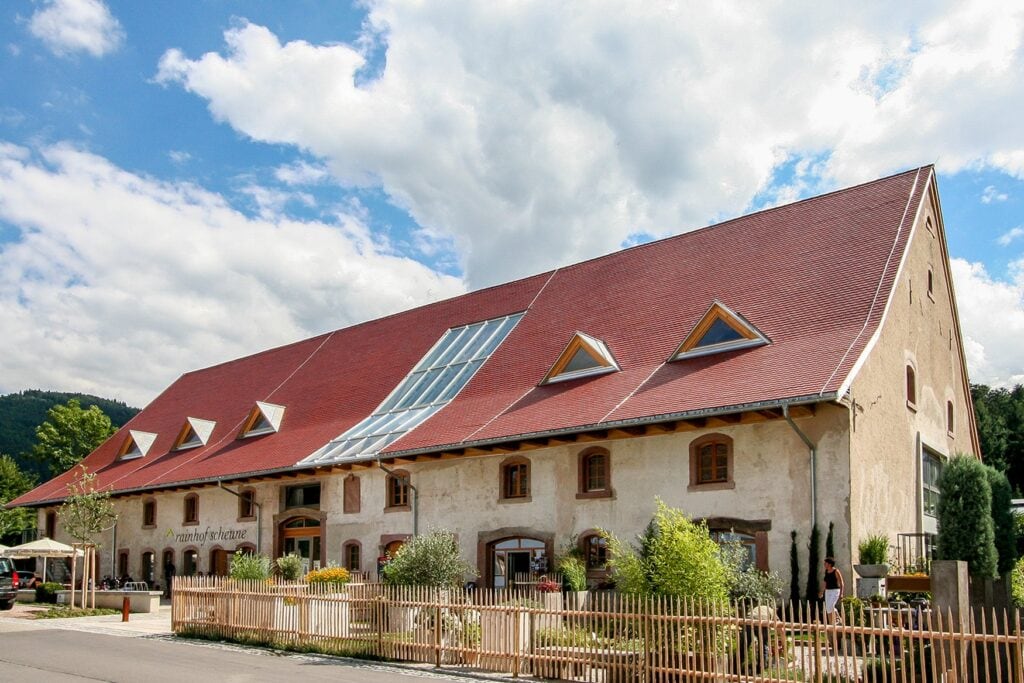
<point>338,576</point>
<point>546,585</point>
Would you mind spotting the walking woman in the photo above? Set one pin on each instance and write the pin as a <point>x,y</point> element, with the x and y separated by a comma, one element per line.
<point>832,589</point>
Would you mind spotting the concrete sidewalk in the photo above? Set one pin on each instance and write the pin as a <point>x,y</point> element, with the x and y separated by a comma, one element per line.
<point>153,624</point>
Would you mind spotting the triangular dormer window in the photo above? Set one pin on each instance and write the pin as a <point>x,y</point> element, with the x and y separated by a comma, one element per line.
<point>194,433</point>
<point>720,329</point>
<point>264,418</point>
<point>135,445</point>
<point>584,356</point>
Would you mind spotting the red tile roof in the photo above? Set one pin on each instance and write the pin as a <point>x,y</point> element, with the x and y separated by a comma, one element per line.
<point>813,276</point>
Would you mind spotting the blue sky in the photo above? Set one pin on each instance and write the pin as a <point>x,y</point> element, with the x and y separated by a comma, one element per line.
<point>182,183</point>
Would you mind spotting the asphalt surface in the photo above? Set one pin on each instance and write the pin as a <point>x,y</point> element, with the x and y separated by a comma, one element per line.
<point>105,649</point>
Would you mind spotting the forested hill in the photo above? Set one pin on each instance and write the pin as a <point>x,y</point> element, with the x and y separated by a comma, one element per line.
<point>21,413</point>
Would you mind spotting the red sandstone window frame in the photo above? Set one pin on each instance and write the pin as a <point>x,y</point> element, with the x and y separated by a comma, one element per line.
<point>247,505</point>
<point>590,483</point>
<point>149,513</point>
<point>190,510</point>
<point>396,491</point>
<point>722,456</point>
<point>514,479</point>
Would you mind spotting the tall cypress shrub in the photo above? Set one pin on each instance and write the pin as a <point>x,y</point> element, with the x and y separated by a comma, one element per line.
<point>964,511</point>
<point>1003,521</point>
<point>830,547</point>
<point>794,569</point>
<point>813,560</point>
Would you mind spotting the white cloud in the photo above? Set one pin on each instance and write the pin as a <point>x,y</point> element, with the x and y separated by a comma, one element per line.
<point>992,318</point>
<point>991,194</point>
<point>554,131</point>
<point>68,26</point>
<point>302,173</point>
<point>118,283</point>
<point>179,157</point>
<point>1007,237</point>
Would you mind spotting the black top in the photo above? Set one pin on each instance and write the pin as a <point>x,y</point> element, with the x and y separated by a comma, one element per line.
<point>831,579</point>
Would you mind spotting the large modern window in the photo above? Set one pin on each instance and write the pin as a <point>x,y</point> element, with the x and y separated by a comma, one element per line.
<point>302,496</point>
<point>430,386</point>
<point>931,469</point>
<point>711,461</point>
<point>515,478</point>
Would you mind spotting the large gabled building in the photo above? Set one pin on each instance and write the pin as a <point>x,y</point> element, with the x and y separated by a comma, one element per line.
<point>799,364</point>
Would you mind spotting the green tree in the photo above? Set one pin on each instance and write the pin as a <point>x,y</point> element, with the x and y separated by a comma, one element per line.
<point>430,560</point>
<point>1003,520</point>
<point>69,434</point>
<point>794,569</point>
<point>675,556</point>
<point>813,560</point>
<point>86,511</point>
<point>13,483</point>
<point>965,516</point>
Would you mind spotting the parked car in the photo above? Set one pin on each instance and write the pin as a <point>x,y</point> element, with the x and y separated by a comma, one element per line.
<point>28,579</point>
<point>8,584</point>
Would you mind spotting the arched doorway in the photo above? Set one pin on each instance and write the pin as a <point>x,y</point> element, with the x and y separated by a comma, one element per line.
<point>302,536</point>
<point>219,561</point>
<point>514,560</point>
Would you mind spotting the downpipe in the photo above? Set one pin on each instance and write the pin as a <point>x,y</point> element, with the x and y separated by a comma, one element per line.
<point>813,449</point>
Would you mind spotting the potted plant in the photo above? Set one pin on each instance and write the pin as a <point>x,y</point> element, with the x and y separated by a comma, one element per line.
<point>574,574</point>
<point>872,553</point>
<point>332,619</point>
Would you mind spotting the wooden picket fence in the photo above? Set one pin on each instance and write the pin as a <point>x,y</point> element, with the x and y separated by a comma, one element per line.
<point>602,637</point>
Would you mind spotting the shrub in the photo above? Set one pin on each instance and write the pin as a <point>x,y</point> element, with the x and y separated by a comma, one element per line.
<point>794,569</point>
<point>290,566</point>
<point>873,550</point>
<point>430,560</point>
<point>813,560</point>
<point>1003,520</point>
<point>747,582</point>
<point>337,576</point>
<point>675,557</point>
<point>47,592</point>
<point>965,516</point>
<point>852,609</point>
<point>245,566</point>
<point>574,570</point>
<point>1017,583</point>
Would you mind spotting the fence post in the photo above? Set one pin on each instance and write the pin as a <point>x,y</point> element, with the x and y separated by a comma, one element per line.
<point>816,645</point>
<point>379,609</point>
<point>438,640</point>
<point>516,612</point>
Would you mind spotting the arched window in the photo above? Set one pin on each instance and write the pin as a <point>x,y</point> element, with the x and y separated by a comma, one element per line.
<point>595,473</point>
<point>595,550</point>
<point>246,504</point>
<point>949,417</point>
<point>911,386</point>
<point>122,563</point>
<point>745,542</point>
<point>148,514</point>
<point>515,479</point>
<point>397,491</point>
<point>148,568</point>
<point>352,556</point>
<point>711,462</point>
<point>191,512</point>
<point>190,562</point>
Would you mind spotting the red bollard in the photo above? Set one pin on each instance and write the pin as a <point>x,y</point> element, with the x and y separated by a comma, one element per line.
<point>126,605</point>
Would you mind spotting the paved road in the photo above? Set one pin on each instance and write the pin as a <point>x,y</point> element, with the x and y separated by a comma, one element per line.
<point>31,653</point>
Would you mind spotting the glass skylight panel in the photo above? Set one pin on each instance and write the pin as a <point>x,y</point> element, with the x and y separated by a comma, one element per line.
<point>431,385</point>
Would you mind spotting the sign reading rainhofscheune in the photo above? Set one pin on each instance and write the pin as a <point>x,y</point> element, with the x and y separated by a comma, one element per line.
<point>208,535</point>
